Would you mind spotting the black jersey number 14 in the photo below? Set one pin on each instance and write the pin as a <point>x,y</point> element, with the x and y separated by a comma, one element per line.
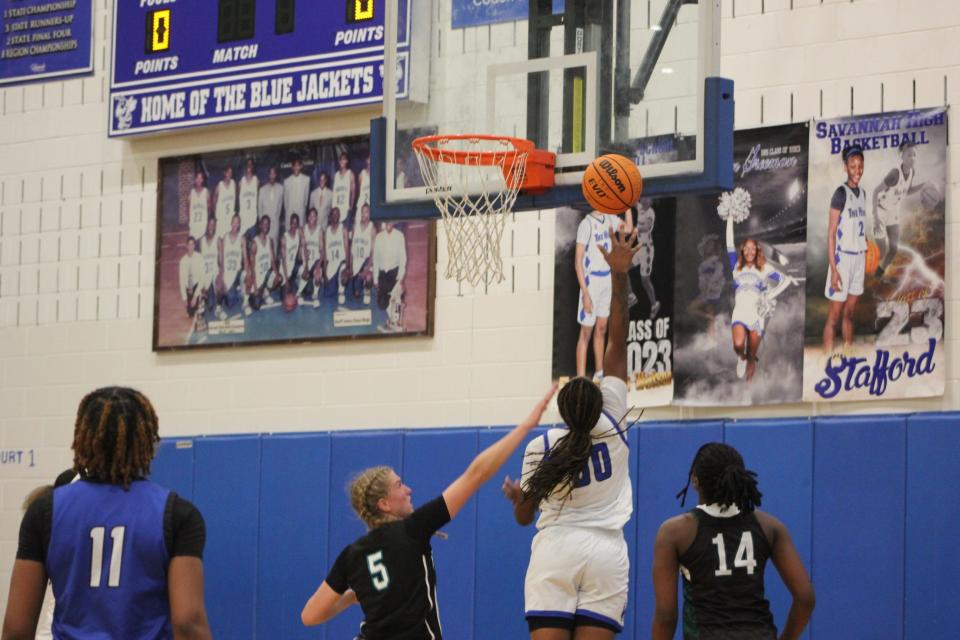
<point>744,557</point>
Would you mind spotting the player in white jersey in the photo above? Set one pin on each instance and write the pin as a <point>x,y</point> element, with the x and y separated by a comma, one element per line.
<point>887,200</point>
<point>389,270</point>
<point>233,263</point>
<point>210,252</point>
<point>363,182</point>
<point>191,275</point>
<point>270,203</point>
<point>225,202</point>
<point>312,259</point>
<point>199,207</point>
<point>296,192</point>
<point>336,257</point>
<point>263,261</point>
<point>846,248</point>
<point>321,199</point>
<point>344,187</point>
<point>291,255</point>
<point>646,218</point>
<point>755,284</point>
<point>593,276</point>
<point>361,254</point>
<point>579,479</point>
<point>249,188</point>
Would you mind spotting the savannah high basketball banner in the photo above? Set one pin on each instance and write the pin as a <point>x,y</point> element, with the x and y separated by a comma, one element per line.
<point>739,333</point>
<point>889,257</point>
<point>650,298</point>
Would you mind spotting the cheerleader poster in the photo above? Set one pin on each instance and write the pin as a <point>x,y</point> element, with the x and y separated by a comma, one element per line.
<point>739,278</point>
<point>582,293</point>
<point>875,255</point>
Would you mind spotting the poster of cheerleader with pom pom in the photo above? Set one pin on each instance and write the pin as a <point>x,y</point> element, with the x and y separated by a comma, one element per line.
<point>740,341</point>
<point>875,255</point>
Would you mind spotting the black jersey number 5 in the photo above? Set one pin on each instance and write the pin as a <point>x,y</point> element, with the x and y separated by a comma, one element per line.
<point>744,557</point>
<point>378,572</point>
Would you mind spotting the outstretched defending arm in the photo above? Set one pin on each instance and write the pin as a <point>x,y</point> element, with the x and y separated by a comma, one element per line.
<point>619,258</point>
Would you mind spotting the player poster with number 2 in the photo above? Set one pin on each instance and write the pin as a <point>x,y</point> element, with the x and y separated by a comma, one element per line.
<point>875,257</point>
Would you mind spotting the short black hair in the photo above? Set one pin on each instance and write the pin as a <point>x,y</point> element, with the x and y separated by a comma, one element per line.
<point>907,143</point>
<point>852,150</point>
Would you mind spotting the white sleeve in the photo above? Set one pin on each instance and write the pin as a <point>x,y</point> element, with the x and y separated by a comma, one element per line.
<point>583,231</point>
<point>532,456</point>
<point>614,392</point>
<point>184,276</point>
<point>401,257</point>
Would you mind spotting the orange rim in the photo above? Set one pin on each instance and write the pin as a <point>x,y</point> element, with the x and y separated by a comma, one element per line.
<point>423,146</point>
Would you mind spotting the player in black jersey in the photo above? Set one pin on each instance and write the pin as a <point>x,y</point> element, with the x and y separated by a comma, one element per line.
<point>721,547</point>
<point>389,571</point>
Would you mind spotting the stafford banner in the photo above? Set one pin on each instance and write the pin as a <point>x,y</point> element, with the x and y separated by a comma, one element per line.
<point>875,257</point>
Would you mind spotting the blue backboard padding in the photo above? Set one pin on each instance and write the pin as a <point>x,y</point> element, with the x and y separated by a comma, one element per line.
<point>858,527</point>
<point>665,452</point>
<point>173,467</point>
<point>503,551</point>
<point>350,453</point>
<point>781,453</point>
<point>932,523</point>
<point>294,527</point>
<point>227,492</point>
<point>431,461</point>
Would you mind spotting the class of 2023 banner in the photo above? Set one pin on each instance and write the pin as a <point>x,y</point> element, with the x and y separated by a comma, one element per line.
<point>875,316</point>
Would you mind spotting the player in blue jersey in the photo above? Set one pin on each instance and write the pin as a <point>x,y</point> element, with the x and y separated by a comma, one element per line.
<point>124,555</point>
<point>846,251</point>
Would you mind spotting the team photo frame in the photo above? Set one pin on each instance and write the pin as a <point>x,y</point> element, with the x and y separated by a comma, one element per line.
<point>275,244</point>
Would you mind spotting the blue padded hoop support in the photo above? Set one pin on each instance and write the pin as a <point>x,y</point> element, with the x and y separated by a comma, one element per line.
<point>717,166</point>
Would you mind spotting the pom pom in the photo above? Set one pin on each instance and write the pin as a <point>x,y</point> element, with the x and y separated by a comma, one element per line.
<point>765,306</point>
<point>735,204</point>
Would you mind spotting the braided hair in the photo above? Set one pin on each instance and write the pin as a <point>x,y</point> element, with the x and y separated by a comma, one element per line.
<point>723,478</point>
<point>580,403</point>
<point>115,435</point>
<point>366,490</point>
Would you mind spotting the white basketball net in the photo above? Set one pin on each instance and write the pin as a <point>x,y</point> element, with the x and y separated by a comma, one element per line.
<point>474,200</point>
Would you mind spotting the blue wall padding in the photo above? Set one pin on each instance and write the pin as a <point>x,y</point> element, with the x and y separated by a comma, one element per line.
<point>431,461</point>
<point>173,467</point>
<point>858,527</point>
<point>350,453</point>
<point>870,503</point>
<point>630,531</point>
<point>227,491</point>
<point>294,526</point>
<point>933,525</point>
<point>503,551</point>
<point>665,452</point>
<point>781,452</point>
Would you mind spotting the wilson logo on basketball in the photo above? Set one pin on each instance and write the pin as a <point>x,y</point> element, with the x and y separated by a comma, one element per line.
<point>611,170</point>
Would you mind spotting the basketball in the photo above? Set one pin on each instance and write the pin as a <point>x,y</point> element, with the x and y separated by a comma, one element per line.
<point>289,301</point>
<point>930,196</point>
<point>612,184</point>
<point>873,256</point>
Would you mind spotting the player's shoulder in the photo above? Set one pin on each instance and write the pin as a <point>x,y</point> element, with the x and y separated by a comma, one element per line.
<point>677,528</point>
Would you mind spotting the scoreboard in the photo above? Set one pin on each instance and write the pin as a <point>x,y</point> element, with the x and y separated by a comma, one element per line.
<point>181,63</point>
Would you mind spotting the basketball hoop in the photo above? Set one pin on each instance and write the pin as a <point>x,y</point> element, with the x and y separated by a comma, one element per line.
<point>474,181</point>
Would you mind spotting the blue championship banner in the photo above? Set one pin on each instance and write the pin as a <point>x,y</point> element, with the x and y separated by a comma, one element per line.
<point>875,257</point>
<point>45,39</point>
<point>227,60</point>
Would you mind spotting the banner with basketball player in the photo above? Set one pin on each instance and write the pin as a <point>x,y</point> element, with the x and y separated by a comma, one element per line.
<point>582,292</point>
<point>875,256</point>
<point>740,265</point>
<point>276,244</point>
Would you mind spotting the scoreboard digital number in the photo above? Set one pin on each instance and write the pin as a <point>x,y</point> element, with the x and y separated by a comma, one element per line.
<point>224,60</point>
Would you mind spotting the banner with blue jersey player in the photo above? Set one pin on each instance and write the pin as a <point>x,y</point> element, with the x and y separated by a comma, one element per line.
<point>740,265</point>
<point>875,255</point>
<point>582,297</point>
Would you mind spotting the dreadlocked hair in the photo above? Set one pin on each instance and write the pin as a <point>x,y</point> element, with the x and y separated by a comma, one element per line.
<point>115,435</point>
<point>580,403</point>
<point>366,489</point>
<point>723,478</point>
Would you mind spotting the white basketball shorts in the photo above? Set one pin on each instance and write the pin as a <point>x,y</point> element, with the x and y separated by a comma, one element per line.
<point>600,288</point>
<point>851,267</point>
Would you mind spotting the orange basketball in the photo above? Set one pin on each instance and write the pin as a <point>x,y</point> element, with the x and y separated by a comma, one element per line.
<point>873,256</point>
<point>289,301</point>
<point>612,184</point>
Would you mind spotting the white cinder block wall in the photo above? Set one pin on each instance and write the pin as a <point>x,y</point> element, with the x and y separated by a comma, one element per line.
<point>77,238</point>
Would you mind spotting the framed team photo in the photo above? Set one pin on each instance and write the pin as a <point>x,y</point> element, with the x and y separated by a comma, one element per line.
<point>276,244</point>
<point>876,265</point>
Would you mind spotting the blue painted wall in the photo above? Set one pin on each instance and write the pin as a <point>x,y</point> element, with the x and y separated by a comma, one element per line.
<point>870,503</point>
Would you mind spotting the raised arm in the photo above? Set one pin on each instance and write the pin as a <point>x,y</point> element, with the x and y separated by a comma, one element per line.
<point>731,245</point>
<point>489,461</point>
<point>623,246</point>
